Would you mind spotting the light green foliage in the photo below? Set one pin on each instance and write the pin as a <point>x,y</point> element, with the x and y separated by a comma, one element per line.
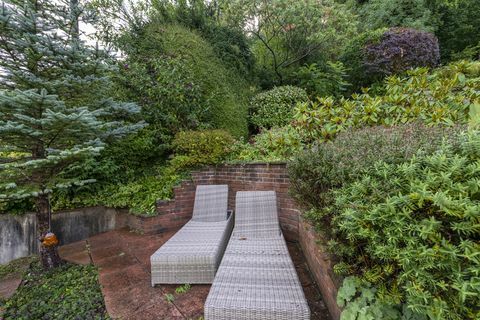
<point>62,293</point>
<point>138,194</point>
<point>412,229</point>
<point>360,302</point>
<point>274,108</point>
<point>328,80</point>
<point>443,96</point>
<point>276,144</point>
<point>292,33</point>
<point>170,298</point>
<point>199,148</point>
<point>183,289</point>
<point>327,166</point>
<point>415,14</point>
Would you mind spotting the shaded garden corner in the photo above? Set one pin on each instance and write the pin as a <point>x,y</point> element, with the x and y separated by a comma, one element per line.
<point>123,260</point>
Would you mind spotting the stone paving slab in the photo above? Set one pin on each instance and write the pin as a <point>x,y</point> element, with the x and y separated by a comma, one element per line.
<point>123,259</point>
<point>8,286</point>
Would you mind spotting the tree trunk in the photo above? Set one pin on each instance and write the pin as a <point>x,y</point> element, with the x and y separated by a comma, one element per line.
<point>48,253</point>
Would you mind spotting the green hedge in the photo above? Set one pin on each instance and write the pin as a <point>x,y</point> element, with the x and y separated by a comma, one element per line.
<point>200,148</point>
<point>327,166</point>
<point>409,234</point>
<point>225,92</point>
<point>274,108</point>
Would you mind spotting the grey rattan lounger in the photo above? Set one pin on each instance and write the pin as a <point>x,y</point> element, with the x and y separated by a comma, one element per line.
<point>256,279</point>
<point>193,254</point>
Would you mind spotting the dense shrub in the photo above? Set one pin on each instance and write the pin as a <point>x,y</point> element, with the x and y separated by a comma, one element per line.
<point>411,231</point>
<point>353,57</point>
<point>276,144</point>
<point>138,193</point>
<point>444,96</point>
<point>401,49</point>
<point>322,81</point>
<point>197,148</point>
<point>175,75</point>
<point>351,154</point>
<point>274,108</point>
<point>66,292</point>
<point>460,28</point>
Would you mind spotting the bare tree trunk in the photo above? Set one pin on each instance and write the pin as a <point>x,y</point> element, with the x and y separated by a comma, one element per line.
<point>48,248</point>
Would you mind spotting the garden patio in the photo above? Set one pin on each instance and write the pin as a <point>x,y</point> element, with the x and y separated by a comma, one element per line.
<point>150,147</point>
<point>123,260</point>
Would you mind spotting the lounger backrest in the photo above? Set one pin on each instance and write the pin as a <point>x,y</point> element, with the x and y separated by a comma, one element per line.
<point>211,203</point>
<point>256,215</point>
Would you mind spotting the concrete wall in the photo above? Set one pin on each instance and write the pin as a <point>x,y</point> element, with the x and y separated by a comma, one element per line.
<point>79,224</point>
<point>17,237</point>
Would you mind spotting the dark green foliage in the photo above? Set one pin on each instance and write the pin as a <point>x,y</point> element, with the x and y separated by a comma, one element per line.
<point>16,267</point>
<point>274,108</point>
<point>416,14</point>
<point>139,193</point>
<point>460,27</point>
<point>199,148</point>
<point>322,81</point>
<point>412,231</point>
<point>229,43</point>
<point>399,50</point>
<point>353,58</point>
<point>180,82</point>
<point>327,166</point>
<point>67,292</point>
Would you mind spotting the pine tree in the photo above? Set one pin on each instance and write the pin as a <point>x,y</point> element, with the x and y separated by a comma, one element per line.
<point>54,104</point>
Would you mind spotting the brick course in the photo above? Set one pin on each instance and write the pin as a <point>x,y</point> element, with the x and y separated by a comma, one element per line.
<point>175,213</point>
<point>321,266</point>
<point>262,176</point>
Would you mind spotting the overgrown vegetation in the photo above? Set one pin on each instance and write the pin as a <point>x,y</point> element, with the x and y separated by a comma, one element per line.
<point>66,292</point>
<point>360,96</point>
<point>411,231</point>
<point>274,108</point>
<point>442,97</point>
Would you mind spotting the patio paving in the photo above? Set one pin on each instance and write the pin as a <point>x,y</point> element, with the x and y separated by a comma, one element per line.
<point>123,258</point>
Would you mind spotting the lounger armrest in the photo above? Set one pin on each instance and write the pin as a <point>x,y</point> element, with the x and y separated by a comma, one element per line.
<point>229,214</point>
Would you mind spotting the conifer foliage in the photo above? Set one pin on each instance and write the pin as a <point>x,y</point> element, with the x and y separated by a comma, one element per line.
<point>54,105</point>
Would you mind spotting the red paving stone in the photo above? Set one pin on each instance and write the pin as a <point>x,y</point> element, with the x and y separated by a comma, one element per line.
<point>123,259</point>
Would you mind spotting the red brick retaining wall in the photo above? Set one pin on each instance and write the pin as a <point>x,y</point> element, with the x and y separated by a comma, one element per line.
<point>176,212</point>
<point>321,267</point>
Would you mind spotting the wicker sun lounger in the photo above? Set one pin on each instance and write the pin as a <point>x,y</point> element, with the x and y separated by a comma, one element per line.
<point>257,278</point>
<point>193,254</point>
